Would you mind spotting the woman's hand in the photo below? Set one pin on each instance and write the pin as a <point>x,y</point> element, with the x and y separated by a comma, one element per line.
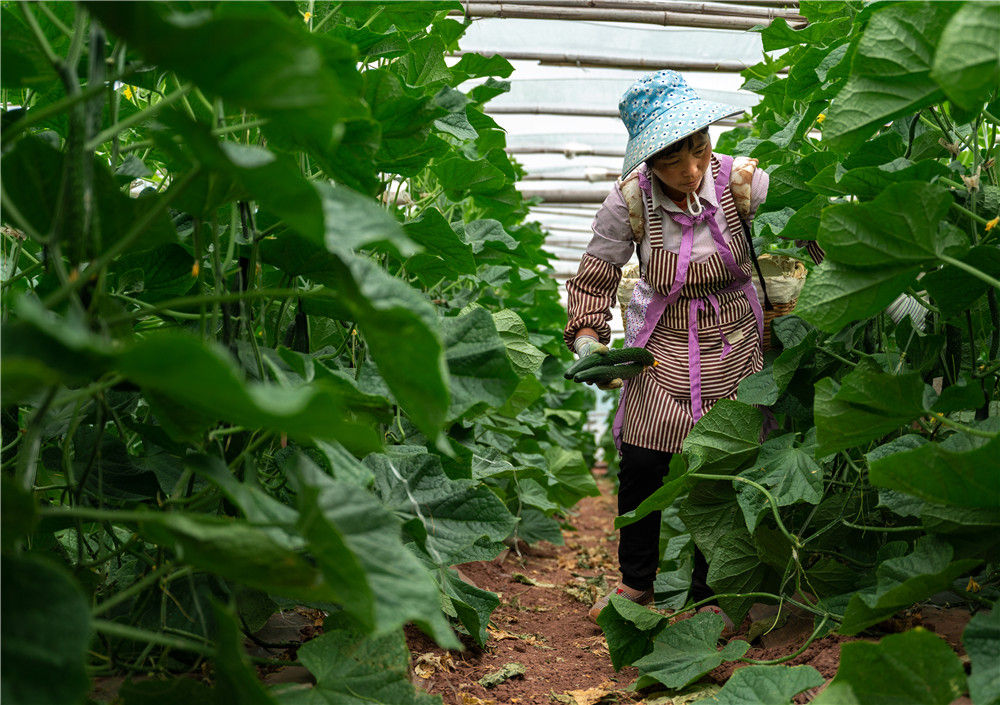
<point>586,345</point>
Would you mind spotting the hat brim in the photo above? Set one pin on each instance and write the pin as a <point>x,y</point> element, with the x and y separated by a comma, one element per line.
<point>672,126</point>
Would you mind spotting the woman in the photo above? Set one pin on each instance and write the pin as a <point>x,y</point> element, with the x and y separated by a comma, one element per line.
<point>694,307</point>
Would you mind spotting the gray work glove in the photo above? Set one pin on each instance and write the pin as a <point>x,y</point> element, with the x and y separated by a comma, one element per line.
<point>587,345</point>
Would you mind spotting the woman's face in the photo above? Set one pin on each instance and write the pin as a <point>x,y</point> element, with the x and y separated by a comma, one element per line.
<point>682,171</point>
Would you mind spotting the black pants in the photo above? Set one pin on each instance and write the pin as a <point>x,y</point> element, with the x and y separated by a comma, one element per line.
<point>641,473</point>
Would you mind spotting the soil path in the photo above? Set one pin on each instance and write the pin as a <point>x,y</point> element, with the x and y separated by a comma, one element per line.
<point>542,625</point>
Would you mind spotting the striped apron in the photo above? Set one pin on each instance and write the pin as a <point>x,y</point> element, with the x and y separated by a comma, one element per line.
<point>702,322</point>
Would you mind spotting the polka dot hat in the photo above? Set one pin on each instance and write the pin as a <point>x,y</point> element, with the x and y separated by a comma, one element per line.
<point>660,109</point>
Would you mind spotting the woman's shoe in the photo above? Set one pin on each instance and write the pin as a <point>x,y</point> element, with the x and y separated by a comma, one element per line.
<point>640,598</point>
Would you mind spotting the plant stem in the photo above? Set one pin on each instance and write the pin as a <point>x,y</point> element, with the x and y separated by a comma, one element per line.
<point>945,421</point>
<point>971,270</point>
<point>137,118</point>
<point>125,631</point>
<point>139,586</point>
<point>126,240</point>
<point>886,529</point>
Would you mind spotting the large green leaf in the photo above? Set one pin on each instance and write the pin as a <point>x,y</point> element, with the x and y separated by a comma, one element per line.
<point>899,226</point>
<point>966,64</point>
<point>629,630</point>
<point>685,651</point>
<point>789,472</point>
<point>835,294</point>
<point>455,515</point>
<point>904,581</point>
<point>865,405</point>
<point>251,56</point>
<point>203,377</point>
<point>353,669</point>
<point>472,606</point>
<point>445,255</point>
<point>236,680</point>
<point>387,311</point>
<point>480,373</point>
<point>766,685</point>
<point>955,290</point>
<point>869,181</point>
<point>46,631</point>
<point>724,438</point>
<point>944,475</point>
<point>735,567</point>
<point>916,668</point>
<point>890,71</point>
<point>981,640</point>
<point>524,357</point>
<point>353,535</point>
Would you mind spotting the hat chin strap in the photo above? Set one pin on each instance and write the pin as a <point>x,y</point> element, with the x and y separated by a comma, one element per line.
<point>693,204</point>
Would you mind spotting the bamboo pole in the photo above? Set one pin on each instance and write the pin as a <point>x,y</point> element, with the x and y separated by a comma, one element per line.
<point>618,62</point>
<point>593,178</point>
<point>594,195</point>
<point>763,13</point>
<point>569,150</point>
<point>600,14</point>
<point>571,110</point>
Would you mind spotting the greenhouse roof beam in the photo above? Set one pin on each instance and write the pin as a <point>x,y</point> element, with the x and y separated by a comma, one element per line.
<point>697,8</point>
<point>617,62</point>
<point>599,14</point>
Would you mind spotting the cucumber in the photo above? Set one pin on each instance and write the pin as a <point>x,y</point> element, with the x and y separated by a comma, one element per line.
<point>612,357</point>
<point>605,373</point>
<point>617,357</point>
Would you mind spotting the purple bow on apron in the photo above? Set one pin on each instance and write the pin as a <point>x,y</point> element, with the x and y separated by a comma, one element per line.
<point>655,303</point>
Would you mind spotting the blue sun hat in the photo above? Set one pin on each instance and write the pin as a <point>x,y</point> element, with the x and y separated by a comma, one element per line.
<point>660,109</point>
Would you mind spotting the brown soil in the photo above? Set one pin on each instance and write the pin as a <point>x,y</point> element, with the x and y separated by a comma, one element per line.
<point>544,628</point>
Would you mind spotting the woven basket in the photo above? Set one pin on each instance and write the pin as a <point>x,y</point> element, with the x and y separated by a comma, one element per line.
<point>784,278</point>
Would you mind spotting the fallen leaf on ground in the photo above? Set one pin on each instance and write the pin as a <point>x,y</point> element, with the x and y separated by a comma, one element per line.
<point>511,670</point>
<point>426,665</point>
<point>470,699</point>
<point>525,580</point>
<point>589,696</point>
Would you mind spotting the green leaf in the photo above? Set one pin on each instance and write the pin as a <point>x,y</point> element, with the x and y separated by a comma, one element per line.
<point>386,310</point>
<point>629,630</point>
<point>445,255</point>
<point>899,226</point>
<point>204,378</point>
<point>790,473</point>
<point>865,405</point>
<point>353,669</point>
<point>966,64</point>
<point>18,514</point>
<point>252,57</point>
<point>524,357</point>
<point>424,63</point>
<point>942,475</point>
<point>868,182</point>
<point>836,294</point>
<point>758,388</point>
<point>766,685</point>
<point>155,275</point>
<point>25,64</point>
<point>916,668</point>
<point>570,477</point>
<point>724,438</point>
<point>354,537</point>
<point>954,290</point>
<point>904,581</point>
<point>890,72</point>
<point>981,640</point>
<point>685,651</point>
<point>46,631</point>
<point>734,567</point>
<point>236,680</point>
<point>479,371</point>
<point>472,605</point>
<point>462,177</point>
<point>473,65</point>
<point>456,514</point>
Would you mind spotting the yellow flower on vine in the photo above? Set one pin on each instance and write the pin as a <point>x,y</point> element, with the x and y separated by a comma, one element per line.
<point>992,224</point>
<point>306,16</point>
<point>127,92</point>
<point>820,118</point>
